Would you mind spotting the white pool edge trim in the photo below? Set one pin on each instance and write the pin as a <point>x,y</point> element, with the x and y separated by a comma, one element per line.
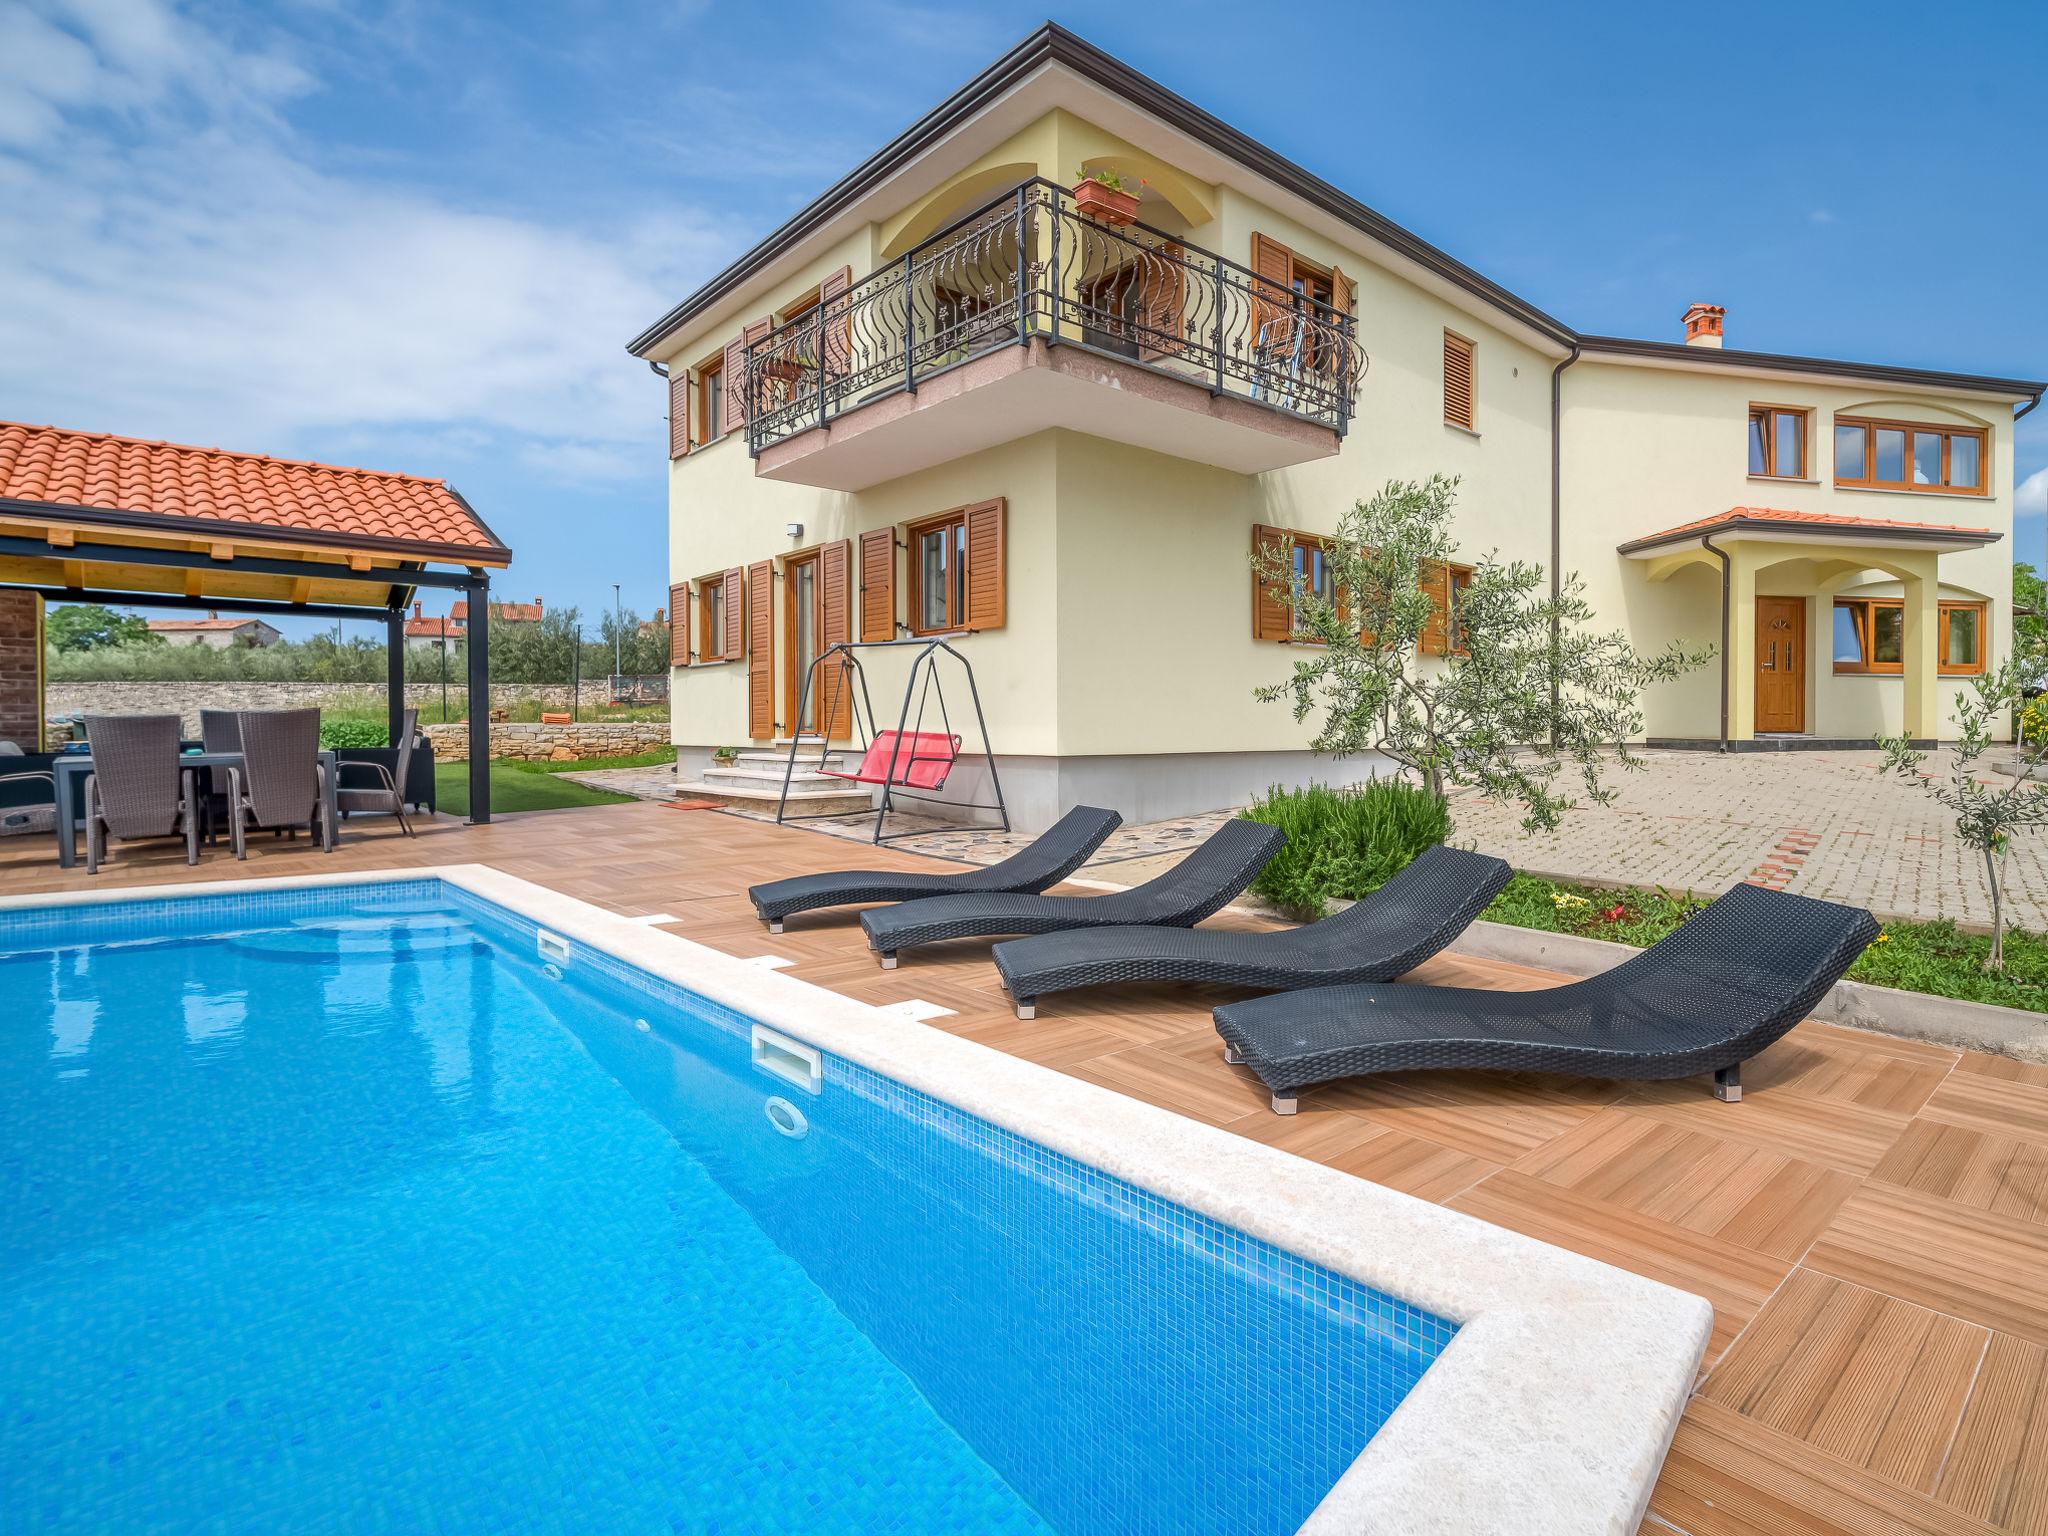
<point>1550,1412</point>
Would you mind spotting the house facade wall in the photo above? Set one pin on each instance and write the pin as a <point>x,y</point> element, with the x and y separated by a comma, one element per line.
<point>1129,634</point>
<point>1646,449</point>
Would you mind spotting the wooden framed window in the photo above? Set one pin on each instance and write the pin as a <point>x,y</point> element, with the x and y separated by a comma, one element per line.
<point>1446,586</point>
<point>711,400</point>
<point>1910,456</point>
<point>1870,636</point>
<point>721,613</point>
<point>711,618</point>
<point>1778,441</point>
<point>956,565</point>
<point>1273,616</point>
<point>1459,358</point>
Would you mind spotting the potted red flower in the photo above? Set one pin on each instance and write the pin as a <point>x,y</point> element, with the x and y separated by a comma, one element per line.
<point>1101,195</point>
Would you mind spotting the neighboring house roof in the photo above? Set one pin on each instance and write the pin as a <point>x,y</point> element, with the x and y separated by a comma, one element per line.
<point>1052,44</point>
<point>204,624</point>
<point>504,613</point>
<point>1818,524</point>
<point>432,629</point>
<point>126,481</point>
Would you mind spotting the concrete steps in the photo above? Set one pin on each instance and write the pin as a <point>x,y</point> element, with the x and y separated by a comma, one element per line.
<point>754,782</point>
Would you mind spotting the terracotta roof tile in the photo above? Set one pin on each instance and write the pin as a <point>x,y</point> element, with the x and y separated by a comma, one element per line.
<point>201,624</point>
<point>1831,520</point>
<point>60,467</point>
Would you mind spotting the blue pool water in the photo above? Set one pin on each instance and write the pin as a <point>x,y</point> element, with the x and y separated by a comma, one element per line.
<point>335,1211</point>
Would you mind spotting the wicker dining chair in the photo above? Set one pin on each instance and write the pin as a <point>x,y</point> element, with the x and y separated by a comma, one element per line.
<point>281,782</point>
<point>138,787</point>
<point>388,793</point>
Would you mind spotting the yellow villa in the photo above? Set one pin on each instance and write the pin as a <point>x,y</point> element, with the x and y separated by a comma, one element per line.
<point>1041,373</point>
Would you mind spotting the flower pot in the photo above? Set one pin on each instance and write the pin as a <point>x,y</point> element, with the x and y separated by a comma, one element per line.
<point>1099,202</point>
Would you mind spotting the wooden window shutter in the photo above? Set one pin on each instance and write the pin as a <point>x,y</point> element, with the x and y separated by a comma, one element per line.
<point>1435,639</point>
<point>835,597</point>
<point>878,584</point>
<point>734,644</point>
<point>678,412</point>
<point>1272,294</point>
<point>1457,380</point>
<point>986,578</point>
<point>1162,302</point>
<point>756,332</point>
<point>732,409</point>
<point>760,648</point>
<point>838,322</point>
<point>1272,602</point>
<point>679,624</point>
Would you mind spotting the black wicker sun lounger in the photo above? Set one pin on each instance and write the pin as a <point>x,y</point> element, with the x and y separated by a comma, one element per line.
<point>1734,979</point>
<point>1049,860</point>
<point>1388,934</point>
<point>1198,885</point>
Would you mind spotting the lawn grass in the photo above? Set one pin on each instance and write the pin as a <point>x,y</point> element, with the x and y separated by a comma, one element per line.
<point>517,787</point>
<point>653,758</point>
<point>1936,958</point>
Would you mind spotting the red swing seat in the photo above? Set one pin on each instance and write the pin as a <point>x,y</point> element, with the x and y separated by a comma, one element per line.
<point>922,761</point>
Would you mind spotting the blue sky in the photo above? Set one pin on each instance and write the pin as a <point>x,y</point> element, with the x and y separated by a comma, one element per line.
<point>416,235</point>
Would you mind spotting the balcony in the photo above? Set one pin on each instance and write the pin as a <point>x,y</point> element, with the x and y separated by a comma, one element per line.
<point>1027,315</point>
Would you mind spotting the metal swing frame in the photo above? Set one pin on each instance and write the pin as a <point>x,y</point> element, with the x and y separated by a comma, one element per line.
<point>861,709</point>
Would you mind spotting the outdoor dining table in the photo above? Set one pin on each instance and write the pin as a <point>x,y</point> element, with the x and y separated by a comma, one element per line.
<point>69,767</point>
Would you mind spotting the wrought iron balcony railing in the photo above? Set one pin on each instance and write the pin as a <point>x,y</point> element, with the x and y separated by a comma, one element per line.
<point>1030,266</point>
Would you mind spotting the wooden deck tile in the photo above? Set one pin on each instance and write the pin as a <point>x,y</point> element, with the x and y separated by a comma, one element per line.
<point>1740,1194</point>
<point>2002,1106</point>
<point>1986,1173</point>
<point>1865,1377</point>
<point>1988,1268</point>
<point>1845,1136</point>
<point>1997,1469</point>
<point>1730,1476</point>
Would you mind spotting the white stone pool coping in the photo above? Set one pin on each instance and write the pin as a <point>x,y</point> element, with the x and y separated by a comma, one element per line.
<point>1550,1412</point>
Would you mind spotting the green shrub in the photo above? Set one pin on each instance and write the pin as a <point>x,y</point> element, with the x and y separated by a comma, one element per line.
<point>1344,842</point>
<point>344,732</point>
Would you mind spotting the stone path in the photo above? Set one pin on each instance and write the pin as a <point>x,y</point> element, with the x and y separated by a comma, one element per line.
<point>1816,823</point>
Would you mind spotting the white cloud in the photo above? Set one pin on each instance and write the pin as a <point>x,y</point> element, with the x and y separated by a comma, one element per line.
<point>2030,497</point>
<point>1822,216</point>
<point>183,268</point>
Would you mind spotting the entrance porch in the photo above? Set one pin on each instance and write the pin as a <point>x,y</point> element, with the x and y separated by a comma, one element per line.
<point>1818,611</point>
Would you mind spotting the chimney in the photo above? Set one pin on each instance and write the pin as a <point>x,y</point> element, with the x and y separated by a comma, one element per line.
<point>416,609</point>
<point>536,605</point>
<point>1703,325</point>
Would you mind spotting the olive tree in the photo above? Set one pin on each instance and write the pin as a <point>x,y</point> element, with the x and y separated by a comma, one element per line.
<point>1990,809</point>
<point>1524,691</point>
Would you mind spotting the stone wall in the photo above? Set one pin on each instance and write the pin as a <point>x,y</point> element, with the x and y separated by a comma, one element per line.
<point>552,743</point>
<point>189,698</point>
<point>20,654</point>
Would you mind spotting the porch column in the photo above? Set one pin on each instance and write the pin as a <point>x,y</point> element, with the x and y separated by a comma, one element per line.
<point>477,642</point>
<point>1742,565</point>
<point>1920,651</point>
<point>394,674</point>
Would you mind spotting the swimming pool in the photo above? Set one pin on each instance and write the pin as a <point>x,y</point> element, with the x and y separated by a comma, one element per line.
<point>340,1206</point>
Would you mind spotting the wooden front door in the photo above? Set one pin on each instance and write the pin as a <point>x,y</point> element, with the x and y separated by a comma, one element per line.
<point>800,628</point>
<point>1781,664</point>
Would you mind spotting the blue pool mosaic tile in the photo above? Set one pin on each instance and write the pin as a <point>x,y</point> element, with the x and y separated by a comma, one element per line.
<point>336,1210</point>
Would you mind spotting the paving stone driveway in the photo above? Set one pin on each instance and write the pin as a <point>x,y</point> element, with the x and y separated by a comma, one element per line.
<point>1818,823</point>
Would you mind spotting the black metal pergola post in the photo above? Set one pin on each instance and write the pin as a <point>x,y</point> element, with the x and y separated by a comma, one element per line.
<point>477,642</point>
<point>394,672</point>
